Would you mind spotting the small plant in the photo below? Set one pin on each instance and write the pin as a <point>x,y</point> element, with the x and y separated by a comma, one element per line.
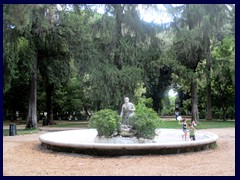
<point>106,122</point>
<point>145,121</point>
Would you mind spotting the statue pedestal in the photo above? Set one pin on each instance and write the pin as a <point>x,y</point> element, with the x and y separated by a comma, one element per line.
<point>126,131</point>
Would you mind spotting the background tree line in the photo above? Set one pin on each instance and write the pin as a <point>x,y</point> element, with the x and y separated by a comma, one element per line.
<point>69,59</point>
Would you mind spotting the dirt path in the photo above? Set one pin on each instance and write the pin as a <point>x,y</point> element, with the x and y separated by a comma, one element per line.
<point>23,155</point>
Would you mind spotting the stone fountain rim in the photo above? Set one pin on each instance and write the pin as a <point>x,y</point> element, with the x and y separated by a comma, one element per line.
<point>212,138</point>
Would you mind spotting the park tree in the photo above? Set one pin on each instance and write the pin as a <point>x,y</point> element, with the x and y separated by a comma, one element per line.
<point>72,97</point>
<point>38,25</point>
<point>223,77</point>
<point>54,55</point>
<point>21,18</point>
<point>158,69</point>
<point>148,51</point>
<point>214,18</point>
<point>112,62</point>
<point>187,46</point>
<point>201,27</point>
<point>16,96</point>
<point>10,57</point>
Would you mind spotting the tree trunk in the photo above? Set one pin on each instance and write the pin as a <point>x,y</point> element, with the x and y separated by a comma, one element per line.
<point>99,105</point>
<point>88,115</point>
<point>224,113</point>
<point>117,57</point>
<point>195,116</point>
<point>208,80</point>
<point>32,101</point>
<point>156,103</point>
<point>49,93</point>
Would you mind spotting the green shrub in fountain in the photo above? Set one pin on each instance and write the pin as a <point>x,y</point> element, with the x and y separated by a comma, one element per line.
<point>106,122</point>
<point>145,121</point>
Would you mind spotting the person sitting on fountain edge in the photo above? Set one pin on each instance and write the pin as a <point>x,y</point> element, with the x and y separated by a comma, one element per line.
<point>127,110</point>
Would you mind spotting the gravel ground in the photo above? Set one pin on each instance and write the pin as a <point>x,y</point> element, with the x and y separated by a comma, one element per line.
<point>24,156</point>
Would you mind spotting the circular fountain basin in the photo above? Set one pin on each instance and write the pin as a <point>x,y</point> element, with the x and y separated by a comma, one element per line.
<point>86,141</point>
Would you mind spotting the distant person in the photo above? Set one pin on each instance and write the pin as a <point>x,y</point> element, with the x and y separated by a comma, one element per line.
<point>127,110</point>
<point>192,131</point>
<point>177,114</point>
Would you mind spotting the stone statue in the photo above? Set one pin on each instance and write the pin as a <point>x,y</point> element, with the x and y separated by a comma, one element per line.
<point>127,110</point>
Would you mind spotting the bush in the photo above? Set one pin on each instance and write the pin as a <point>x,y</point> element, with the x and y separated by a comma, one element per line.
<point>146,101</point>
<point>105,121</point>
<point>202,114</point>
<point>231,113</point>
<point>145,121</point>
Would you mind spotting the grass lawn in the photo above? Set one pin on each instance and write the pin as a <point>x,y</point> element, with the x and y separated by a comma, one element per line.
<point>84,124</point>
<point>59,124</point>
<point>21,131</point>
<point>202,124</point>
<point>19,122</point>
<point>71,124</point>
